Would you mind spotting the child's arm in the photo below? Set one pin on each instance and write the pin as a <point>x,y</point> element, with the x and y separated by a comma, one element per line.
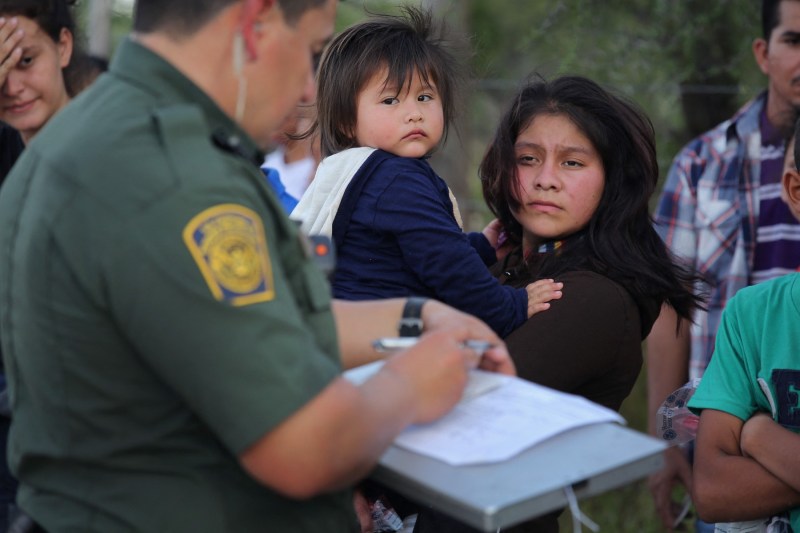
<point>727,485</point>
<point>540,293</point>
<point>774,447</point>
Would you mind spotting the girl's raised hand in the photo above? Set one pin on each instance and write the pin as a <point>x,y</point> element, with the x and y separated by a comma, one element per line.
<point>10,52</point>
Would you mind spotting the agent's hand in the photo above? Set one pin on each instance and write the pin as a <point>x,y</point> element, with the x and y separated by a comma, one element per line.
<point>676,471</point>
<point>10,52</point>
<point>436,316</point>
<point>434,372</point>
<point>540,293</point>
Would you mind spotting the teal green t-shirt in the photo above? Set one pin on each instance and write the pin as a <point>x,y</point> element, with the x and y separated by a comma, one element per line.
<point>756,362</point>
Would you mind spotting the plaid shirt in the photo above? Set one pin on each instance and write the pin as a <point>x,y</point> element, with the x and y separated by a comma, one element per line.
<point>708,214</point>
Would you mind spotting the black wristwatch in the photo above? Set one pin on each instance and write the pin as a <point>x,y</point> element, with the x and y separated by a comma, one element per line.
<point>411,322</point>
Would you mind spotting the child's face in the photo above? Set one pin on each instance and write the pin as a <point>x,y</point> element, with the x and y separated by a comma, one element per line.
<point>790,184</point>
<point>408,124</point>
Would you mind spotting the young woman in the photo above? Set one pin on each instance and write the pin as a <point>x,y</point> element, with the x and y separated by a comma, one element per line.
<point>34,87</point>
<point>569,174</point>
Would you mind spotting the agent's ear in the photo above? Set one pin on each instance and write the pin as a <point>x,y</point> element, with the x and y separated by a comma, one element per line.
<point>791,191</point>
<point>254,12</point>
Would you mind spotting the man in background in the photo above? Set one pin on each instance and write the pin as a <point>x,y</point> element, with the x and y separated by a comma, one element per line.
<point>721,211</point>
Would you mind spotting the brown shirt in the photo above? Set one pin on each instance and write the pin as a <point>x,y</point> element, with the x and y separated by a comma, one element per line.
<point>588,343</point>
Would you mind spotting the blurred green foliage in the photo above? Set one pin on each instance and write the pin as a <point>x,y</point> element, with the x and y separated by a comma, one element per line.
<point>688,64</point>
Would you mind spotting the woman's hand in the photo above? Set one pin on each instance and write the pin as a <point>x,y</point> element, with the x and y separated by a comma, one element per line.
<point>10,52</point>
<point>498,238</point>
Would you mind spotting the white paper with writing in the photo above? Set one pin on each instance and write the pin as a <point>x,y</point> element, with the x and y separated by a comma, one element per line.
<point>505,416</point>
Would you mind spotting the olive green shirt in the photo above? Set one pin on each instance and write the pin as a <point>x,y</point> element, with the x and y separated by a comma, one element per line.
<point>159,315</point>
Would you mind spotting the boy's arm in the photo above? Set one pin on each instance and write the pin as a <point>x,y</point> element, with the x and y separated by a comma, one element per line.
<point>728,486</point>
<point>774,447</point>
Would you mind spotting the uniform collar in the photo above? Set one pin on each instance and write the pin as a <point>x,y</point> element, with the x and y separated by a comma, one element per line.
<point>151,73</point>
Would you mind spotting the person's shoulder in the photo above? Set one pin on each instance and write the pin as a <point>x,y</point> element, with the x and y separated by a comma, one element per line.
<point>743,121</point>
<point>132,153</point>
<point>761,294</point>
<point>598,292</point>
<point>592,279</point>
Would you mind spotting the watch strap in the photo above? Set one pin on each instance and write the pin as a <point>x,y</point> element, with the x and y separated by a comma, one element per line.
<point>411,322</point>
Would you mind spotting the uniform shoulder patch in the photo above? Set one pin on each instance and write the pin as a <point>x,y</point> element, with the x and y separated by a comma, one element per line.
<point>229,245</point>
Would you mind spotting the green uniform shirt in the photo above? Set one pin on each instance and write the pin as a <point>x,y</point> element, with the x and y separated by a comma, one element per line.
<point>159,315</point>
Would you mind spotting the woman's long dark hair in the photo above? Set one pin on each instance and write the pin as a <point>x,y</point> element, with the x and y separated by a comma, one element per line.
<point>619,241</point>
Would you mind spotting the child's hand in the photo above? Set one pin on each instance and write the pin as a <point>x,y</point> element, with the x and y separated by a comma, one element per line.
<point>492,232</point>
<point>540,293</point>
<point>498,238</point>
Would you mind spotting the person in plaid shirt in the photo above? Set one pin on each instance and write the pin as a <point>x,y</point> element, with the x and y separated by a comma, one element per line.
<point>721,212</point>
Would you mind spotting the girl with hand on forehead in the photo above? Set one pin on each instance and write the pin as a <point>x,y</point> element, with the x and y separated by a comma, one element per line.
<point>36,46</point>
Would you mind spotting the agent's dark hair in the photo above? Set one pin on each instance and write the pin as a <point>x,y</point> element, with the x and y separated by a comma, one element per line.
<point>184,17</point>
<point>404,45</point>
<point>51,16</point>
<point>770,16</point>
<point>619,240</point>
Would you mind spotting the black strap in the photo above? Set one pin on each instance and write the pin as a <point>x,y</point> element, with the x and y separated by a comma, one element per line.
<point>411,322</point>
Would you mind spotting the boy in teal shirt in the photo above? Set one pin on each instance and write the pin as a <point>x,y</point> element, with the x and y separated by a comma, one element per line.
<point>748,442</point>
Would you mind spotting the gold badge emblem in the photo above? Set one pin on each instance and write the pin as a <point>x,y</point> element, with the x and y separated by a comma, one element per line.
<point>229,246</point>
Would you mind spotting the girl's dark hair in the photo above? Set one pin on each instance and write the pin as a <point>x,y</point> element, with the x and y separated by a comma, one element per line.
<point>619,240</point>
<point>52,16</point>
<point>404,45</point>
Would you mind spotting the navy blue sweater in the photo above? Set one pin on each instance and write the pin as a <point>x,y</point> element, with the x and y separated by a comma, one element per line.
<point>396,235</point>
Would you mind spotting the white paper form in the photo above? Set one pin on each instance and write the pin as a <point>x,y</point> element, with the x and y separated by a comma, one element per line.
<point>496,425</point>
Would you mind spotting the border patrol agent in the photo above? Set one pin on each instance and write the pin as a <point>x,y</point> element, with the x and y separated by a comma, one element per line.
<point>172,352</point>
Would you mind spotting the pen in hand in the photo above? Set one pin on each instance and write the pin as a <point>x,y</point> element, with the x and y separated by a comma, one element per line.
<point>392,344</point>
